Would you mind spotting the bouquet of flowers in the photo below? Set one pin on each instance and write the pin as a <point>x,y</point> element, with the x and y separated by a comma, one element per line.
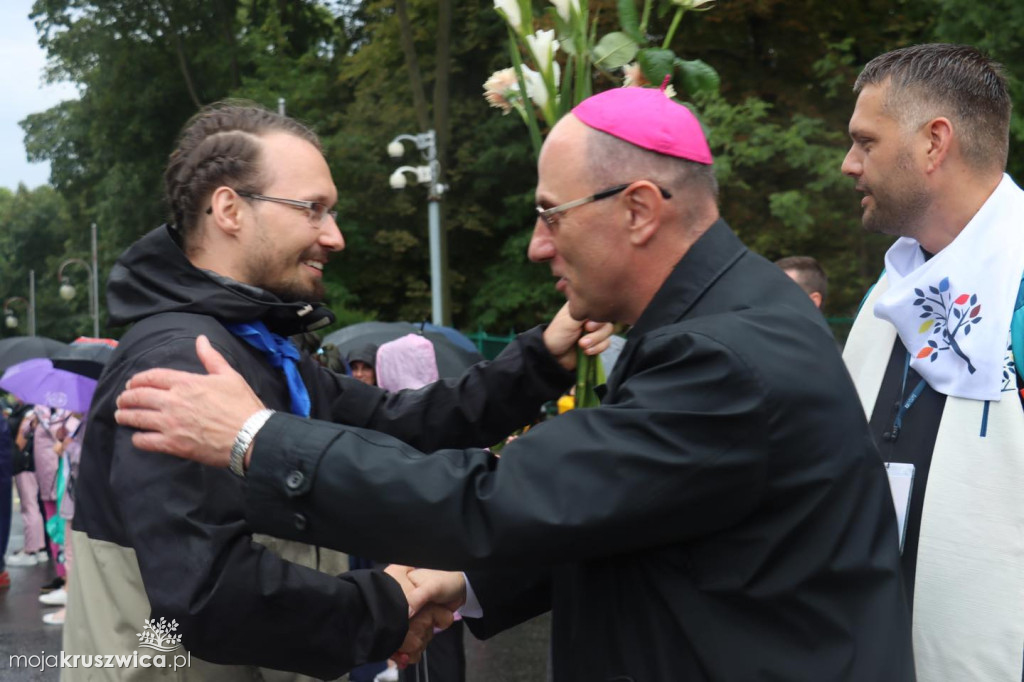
<point>556,58</point>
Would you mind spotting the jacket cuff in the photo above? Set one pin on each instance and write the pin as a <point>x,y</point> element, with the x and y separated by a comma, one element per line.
<point>537,357</point>
<point>286,454</point>
<point>356,403</point>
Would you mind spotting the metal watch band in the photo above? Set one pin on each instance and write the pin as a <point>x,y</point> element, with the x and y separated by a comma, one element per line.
<point>243,440</point>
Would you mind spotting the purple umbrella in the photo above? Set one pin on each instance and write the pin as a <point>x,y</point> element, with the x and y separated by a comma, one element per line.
<point>37,381</point>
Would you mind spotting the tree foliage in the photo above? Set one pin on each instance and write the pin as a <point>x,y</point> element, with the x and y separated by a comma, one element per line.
<point>143,67</point>
<point>38,235</point>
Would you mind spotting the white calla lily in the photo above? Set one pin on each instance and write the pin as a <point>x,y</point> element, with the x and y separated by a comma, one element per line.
<point>565,8</point>
<point>535,88</point>
<point>691,4</point>
<point>509,9</point>
<point>543,46</point>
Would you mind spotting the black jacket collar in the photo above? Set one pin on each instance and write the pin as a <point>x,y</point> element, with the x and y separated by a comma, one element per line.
<point>711,255</point>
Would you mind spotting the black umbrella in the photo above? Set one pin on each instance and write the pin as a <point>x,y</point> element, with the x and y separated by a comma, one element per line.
<point>452,360</point>
<point>86,356</point>
<point>20,348</point>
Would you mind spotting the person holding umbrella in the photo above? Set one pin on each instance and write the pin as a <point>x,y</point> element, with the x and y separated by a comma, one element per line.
<point>33,551</point>
<point>51,426</point>
<point>69,451</point>
<point>66,378</point>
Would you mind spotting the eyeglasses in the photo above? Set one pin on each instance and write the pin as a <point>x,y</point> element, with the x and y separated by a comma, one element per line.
<point>315,211</point>
<point>550,215</point>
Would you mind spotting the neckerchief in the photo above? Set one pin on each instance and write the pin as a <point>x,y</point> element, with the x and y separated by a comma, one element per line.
<point>282,354</point>
<point>953,311</point>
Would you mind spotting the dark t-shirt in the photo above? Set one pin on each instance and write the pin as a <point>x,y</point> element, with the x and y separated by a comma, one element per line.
<point>913,443</point>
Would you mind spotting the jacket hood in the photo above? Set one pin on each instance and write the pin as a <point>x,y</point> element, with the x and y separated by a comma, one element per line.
<point>154,276</point>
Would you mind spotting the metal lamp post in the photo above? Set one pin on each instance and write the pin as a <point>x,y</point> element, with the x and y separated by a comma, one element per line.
<point>430,175</point>
<point>67,290</point>
<point>10,319</point>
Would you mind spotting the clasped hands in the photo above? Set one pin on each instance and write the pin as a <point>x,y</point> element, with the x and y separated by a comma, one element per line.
<point>433,598</point>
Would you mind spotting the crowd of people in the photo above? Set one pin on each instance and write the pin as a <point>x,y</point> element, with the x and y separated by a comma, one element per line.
<point>40,449</point>
<point>743,504</point>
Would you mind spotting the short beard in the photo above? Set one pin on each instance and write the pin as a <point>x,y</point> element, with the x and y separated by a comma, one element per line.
<point>292,294</point>
<point>899,214</point>
<point>288,292</point>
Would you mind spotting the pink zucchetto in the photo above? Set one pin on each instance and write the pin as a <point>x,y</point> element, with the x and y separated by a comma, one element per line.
<point>647,118</point>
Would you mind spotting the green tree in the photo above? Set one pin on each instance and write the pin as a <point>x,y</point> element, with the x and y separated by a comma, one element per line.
<point>994,28</point>
<point>777,127</point>
<point>38,233</point>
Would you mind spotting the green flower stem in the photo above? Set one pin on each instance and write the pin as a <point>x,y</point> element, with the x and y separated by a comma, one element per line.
<point>588,377</point>
<point>583,88</point>
<point>566,98</point>
<point>531,114</point>
<point>582,82</point>
<point>645,17</point>
<point>526,14</point>
<point>550,108</point>
<point>672,29</point>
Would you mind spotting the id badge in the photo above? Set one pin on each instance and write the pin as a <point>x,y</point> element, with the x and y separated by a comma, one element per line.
<point>901,482</point>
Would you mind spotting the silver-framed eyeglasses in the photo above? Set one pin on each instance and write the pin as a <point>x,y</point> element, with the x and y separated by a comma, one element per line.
<point>315,211</point>
<point>550,215</point>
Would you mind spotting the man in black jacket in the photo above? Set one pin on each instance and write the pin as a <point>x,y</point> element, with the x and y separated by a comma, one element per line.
<point>723,515</point>
<point>162,547</point>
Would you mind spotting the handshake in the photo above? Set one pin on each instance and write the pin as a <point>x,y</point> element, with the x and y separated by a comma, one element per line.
<point>433,598</point>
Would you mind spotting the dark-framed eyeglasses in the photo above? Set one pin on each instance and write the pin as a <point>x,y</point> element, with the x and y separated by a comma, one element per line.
<point>550,215</point>
<point>315,211</point>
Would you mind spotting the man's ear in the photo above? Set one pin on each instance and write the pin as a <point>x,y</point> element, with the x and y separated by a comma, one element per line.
<point>227,208</point>
<point>939,133</point>
<point>816,298</point>
<point>645,205</point>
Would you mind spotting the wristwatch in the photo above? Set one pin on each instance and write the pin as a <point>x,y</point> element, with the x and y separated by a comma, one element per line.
<point>243,440</point>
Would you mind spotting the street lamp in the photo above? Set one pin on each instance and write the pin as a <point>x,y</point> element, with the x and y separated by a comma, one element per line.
<point>430,175</point>
<point>67,290</point>
<point>10,319</point>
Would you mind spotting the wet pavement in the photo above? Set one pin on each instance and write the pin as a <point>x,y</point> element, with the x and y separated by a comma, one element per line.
<point>22,631</point>
<point>517,655</point>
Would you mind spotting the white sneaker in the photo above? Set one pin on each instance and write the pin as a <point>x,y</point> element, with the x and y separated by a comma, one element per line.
<point>55,598</point>
<point>55,618</point>
<point>26,559</point>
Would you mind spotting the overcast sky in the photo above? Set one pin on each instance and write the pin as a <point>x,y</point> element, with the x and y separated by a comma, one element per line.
<point>23,93</point>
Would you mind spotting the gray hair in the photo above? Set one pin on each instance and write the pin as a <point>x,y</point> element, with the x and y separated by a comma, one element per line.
<point>955,81</point>
<point>611,160</point>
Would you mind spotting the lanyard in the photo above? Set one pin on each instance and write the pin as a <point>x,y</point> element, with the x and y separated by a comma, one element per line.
<point>905,404</point>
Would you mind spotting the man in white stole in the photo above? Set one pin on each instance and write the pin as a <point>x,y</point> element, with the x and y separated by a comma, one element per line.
<point>930,352</point>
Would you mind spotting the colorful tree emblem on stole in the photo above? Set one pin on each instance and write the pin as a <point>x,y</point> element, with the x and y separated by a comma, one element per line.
<point>947,317</point>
